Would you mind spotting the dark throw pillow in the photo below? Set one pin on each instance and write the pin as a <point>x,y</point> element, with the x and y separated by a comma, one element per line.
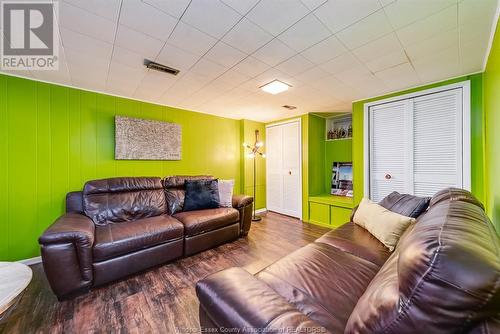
<point>201,194</point>
<point>404,204</point>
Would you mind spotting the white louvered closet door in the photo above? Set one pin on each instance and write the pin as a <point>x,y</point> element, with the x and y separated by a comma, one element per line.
<point>416,145</point>
<point>438,142</point>
<point>389,142</point>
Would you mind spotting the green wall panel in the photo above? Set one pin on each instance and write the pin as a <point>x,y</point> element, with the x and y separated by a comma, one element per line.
<point>477,141</point>
<point>54,138</point>
<point>316,155</point>
<point>248,136</point>
<point>492,133</point>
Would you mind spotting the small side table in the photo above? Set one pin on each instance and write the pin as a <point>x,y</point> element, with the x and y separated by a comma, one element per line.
<point>14,279</point>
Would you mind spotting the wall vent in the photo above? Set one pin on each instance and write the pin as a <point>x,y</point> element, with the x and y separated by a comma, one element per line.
<point>159,67</point>
<point>286,106</point>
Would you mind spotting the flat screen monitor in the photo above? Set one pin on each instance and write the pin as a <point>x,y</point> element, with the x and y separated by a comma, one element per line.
<point>342,179</point>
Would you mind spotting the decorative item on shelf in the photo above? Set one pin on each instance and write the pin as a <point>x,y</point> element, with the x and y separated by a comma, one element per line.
<point>339,127</point>
<point>254,152</point>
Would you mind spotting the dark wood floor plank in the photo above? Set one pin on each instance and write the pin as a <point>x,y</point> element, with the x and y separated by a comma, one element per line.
<point>161,300</point>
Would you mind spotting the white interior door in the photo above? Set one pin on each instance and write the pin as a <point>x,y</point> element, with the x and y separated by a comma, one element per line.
<point>284,190</point>
<point>419,145</point>
<point>389,152</point>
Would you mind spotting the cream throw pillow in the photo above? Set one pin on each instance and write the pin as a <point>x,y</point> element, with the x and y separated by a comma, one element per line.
<point>226,193</point>
<point>385,225</point>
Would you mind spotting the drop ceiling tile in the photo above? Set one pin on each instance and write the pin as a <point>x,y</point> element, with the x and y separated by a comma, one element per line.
<point>313,4</point>
<point>472,54</point>
<point>378,48</point>
<point>177,58</point>
<point>86,23</point>
<point>439,66</point>
<point>295,65</point>
<point>339,14</point>
<point>353,75</point>
<point>120,87</point>
<point>208,68</point>
<point>225,55</point>
<point>399,77</point>
<point>404,12</point>
<point>388,60</point>
<point>138,42</point>
<point>365,31</point>
<point>108,9</point>
<point>472,11</point>
<point>274,53</point>
<point>85,45</point>
<point>233,77</point>
<point>339,64</point>
<point>251,66</point>
<point>428,27</point>
<point>275,16</point>
<point>145,18</point>
<point>130,75</point>
<point>324,50</point>
<point>127,57</point>
<point>241,6</point>
<point>312,75</point>
<point>305,33</point>
<point>386,2</point>
<point>326,83</point>
<point>154,85</point>
<point>191,39</point>
<point>172,7</point>
<point>247,36</point>
<point>433,45</point>
<point>211,16</point>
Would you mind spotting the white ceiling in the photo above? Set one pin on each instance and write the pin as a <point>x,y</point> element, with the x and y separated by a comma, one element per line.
<point>331,51</point>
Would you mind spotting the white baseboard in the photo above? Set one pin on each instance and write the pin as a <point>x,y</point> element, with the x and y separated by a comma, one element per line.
<point>261,210</point>
<point>33,260</point>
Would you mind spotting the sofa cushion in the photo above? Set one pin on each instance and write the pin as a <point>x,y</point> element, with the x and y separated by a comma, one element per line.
<point>356,240</point>
<point>113,240</point>
<point>175,190</point>
<point>123,199</point>
<point>322,282</point>
<point>200,221</point>
<point>444,274</point>
<point>405,204</point>
<point>201,194</point>
<point>385,225</point>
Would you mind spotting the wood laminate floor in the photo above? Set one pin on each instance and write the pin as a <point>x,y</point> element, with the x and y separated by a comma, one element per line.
<point>161,300</point>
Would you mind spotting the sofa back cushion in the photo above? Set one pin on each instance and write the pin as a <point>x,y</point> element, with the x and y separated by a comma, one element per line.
<point>175,190</point>
<point>123,199</point>
<point>443,275</point>
<point>405,204</point>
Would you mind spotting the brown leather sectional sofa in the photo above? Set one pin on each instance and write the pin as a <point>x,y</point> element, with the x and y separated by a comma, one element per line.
<point>119,226</point>
<point>443,277</point>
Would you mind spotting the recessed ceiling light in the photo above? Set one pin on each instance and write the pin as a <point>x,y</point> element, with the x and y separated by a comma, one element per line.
<point>275,87</point>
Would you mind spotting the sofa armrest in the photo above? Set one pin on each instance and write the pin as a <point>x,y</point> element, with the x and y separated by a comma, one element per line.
<point>235,299</point>
<point>243,204</point>
<point>66,248</point>
<point>240,201</point>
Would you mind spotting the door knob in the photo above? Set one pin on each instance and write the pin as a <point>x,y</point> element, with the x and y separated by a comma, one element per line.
<point>289,172</point>
<point>388,176</point>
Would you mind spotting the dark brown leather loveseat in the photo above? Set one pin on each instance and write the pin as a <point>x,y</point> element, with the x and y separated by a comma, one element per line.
<point>443,277</point>
<point>119,226</point>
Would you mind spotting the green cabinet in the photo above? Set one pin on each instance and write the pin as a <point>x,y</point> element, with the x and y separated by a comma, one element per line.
<point>319,213</point>
<point>330,211</point>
